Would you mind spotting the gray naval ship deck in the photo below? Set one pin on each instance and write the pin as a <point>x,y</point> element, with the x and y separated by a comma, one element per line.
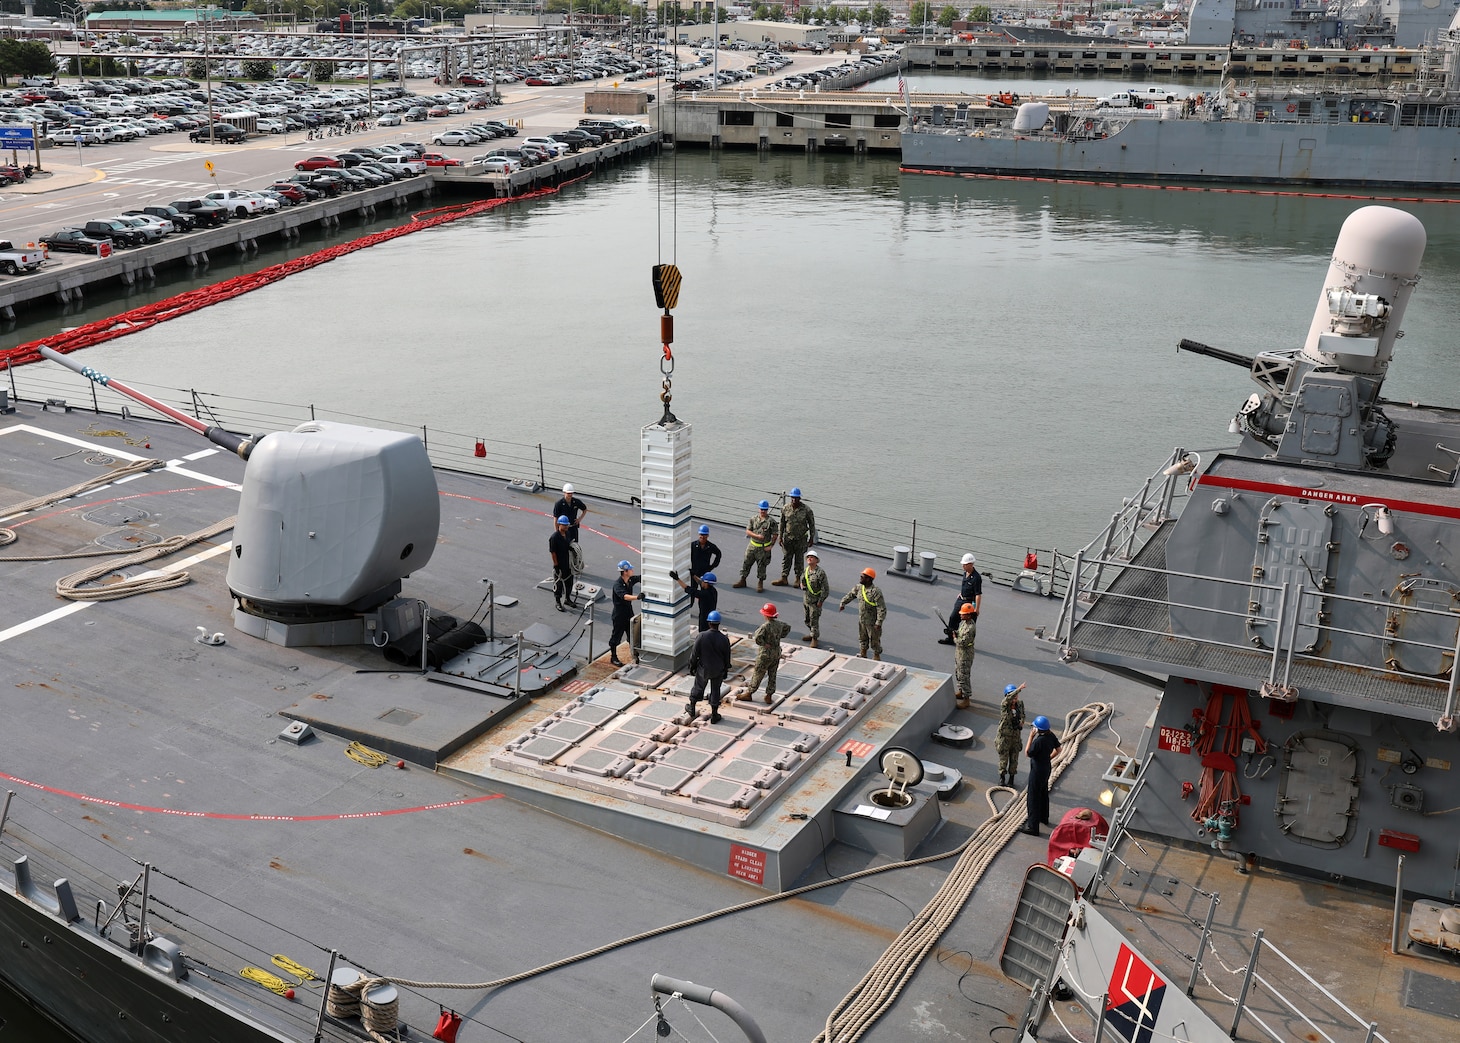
<point>130,741</point>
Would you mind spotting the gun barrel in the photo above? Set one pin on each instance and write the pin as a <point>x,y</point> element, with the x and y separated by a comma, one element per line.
<point>1198,348</point>
<point>240,445</point>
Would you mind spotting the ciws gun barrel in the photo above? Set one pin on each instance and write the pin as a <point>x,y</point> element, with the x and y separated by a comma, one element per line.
<point>1198,348</point>
<point>240,445</point>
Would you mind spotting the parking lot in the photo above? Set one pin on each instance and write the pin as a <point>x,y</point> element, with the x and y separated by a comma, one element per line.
<point>84,184</point>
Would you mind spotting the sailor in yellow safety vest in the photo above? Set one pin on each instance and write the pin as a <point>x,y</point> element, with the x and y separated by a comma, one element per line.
<point>761,531</point>
<point>814,591</point>
<point>871,612</point>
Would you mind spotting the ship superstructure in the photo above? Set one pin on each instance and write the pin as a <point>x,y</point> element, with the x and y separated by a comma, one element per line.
<point>1301,615</point>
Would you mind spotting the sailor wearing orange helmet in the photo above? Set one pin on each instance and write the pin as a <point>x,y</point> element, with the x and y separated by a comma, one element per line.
<point>871,612</point>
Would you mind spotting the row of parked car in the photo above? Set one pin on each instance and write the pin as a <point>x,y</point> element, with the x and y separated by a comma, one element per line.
<point>317,177</point>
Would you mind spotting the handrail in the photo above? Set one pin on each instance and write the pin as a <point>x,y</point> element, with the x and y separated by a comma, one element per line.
<point>841,525</point>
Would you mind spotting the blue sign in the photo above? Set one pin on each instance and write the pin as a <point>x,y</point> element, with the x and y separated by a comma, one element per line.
<point>12,136</point>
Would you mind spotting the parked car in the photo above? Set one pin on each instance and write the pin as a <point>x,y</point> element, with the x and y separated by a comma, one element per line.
<point>551,146</point>
<point>416,115</point>
<point>505,130</point>
<point>436,159</point>
<point>76,240</point>
<point>474,81</point>
<point>318,163</point>
<point>150,227</point>
<point>116,231</point>
<point>390,119</point>
<point>577,139</point>
<point>520,157</point>
<point>437,111</point>
<point>452,137</point>
<point>501,165</point>
<point>204,211</point>
<point>294,193</point>
<point>14,261</point>
<point>227,133</point>
<point>181,222</point>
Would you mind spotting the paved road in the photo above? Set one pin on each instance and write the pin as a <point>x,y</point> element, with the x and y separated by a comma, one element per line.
<point>105,180</point>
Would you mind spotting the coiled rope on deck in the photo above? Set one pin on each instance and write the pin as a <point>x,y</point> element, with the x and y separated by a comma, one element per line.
<point>70,587</point>
<point>116,474</point>
<point>881,985</point>
<point>149,315</point>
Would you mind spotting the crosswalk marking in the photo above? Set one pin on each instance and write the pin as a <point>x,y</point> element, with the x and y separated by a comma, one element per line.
<point>155,183</point>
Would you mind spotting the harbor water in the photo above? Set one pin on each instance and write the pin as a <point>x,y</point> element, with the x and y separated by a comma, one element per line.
<point>993,357</point>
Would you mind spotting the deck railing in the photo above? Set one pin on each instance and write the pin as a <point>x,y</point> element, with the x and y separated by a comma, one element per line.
<point>611,478</point>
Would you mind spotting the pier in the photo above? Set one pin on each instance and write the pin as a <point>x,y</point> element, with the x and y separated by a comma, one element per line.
<point>61,284</point>
<point>1108,57</point>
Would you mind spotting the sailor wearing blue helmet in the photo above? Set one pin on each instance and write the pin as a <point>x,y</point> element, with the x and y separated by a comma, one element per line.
<point>701,589</point>
<point>703,555</point>
<point>761,530</point>
<point>560,549</point>
<point>623,611</point>
<point>1011,730</point>
<point>798,531</point>
<point>709,662</point>
<point>1041,749</point>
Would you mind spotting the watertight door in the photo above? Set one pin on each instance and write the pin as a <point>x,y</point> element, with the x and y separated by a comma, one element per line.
<point>1292,547</point>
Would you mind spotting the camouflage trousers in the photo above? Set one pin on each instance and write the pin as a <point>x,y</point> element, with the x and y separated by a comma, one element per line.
<point>869,635</point>
<point>793,555</point>
<point>813,619</point>
<point>962,671</point>
<point>760,557</point>
<point>1007,747</point>
<point>765,669</point>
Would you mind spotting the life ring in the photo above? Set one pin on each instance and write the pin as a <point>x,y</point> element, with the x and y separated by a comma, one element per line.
<point>1292,107</point>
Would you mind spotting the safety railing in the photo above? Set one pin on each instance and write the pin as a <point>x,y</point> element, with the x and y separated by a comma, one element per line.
<point>726,503</point>
<point>1308,626</point>
<point>1191,939</point>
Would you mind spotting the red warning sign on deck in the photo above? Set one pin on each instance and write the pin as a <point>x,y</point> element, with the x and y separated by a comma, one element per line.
<point>856,749</point>
<point>747,863</point>
<point>1177,740</point>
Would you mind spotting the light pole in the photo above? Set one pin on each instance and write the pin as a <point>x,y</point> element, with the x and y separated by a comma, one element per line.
<point>74,11</point>
<point>207,65</point>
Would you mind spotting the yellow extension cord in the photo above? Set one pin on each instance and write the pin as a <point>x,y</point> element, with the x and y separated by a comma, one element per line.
<point>275,984</point>
<point>363,754</point>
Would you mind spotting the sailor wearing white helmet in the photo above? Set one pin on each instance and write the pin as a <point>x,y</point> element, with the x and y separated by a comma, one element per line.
<point>970,594</point>
<point>574,508</point>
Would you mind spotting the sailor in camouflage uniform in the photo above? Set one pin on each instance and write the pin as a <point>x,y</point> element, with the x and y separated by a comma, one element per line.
<point>761,531</point>
<point>1011,731</point>
<point>798,531</point>
<point>767,638</point>
<point>871,612</point>
<point>815,591</point>
<point>963,654</point>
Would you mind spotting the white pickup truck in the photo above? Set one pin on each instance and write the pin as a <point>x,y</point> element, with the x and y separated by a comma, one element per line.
<point>14,260</point>
<point>236,201</point>
<point>1136,98</point>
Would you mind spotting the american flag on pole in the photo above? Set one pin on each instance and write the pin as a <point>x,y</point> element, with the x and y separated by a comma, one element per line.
<point>902,90</point>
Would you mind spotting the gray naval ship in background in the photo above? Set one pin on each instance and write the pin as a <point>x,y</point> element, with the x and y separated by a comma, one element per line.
<point>1329,135</point>
<point>1317,23</point>
<point>281,795</point>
